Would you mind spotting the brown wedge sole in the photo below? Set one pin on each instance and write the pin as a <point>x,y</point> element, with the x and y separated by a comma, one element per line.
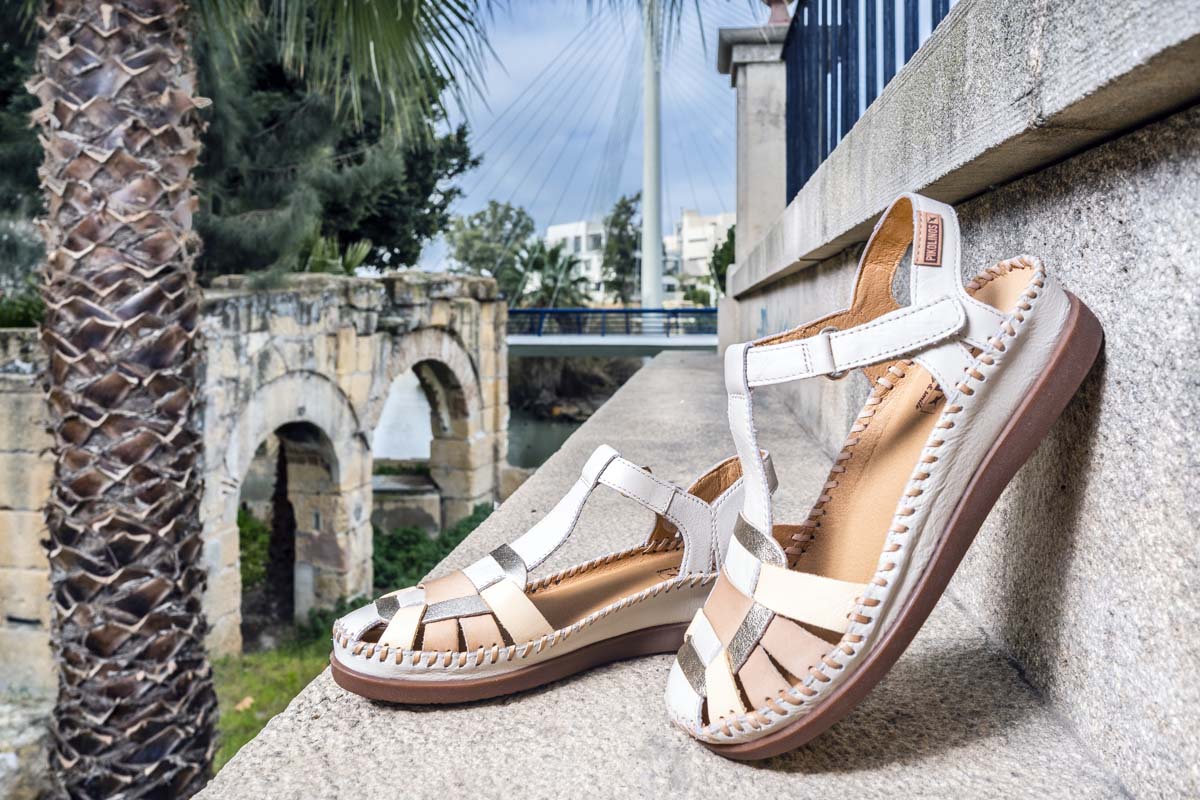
<point>647,642</point>
<point>1069,365</point>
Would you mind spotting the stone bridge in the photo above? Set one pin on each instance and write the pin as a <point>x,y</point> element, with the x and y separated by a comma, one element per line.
<point>310,362</point>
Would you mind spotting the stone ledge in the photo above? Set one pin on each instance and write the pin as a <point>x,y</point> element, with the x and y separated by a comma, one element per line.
<point>999,91</point>
<point>953,719</point>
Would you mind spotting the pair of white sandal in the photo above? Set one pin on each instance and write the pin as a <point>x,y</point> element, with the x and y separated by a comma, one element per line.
<point>780,629</point>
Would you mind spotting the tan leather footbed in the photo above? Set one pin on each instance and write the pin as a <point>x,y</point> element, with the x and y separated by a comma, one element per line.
<point>851,532</point>
<point>579,595</point>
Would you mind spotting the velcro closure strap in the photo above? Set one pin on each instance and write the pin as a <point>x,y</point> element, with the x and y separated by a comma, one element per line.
<point>819,601</point>
<point>638,484</point>
<point>900,332</point>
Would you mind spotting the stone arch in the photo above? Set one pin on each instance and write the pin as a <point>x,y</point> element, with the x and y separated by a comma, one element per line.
<point>333,544</point>
<point>462,455</point>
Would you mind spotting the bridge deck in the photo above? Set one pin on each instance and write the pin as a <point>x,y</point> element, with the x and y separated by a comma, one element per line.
<point>609,345</point>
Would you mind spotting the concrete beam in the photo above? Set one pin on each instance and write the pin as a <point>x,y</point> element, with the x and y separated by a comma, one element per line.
<point>999,91</point>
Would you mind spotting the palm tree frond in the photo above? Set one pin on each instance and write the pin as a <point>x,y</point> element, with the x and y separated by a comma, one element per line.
<point>410,51</point>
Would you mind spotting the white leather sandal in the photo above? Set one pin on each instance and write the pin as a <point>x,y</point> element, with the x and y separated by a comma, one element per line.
<point>488,630</point>
<point>805,619</point>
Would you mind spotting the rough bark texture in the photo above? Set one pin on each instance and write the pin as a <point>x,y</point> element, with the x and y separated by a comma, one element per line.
<point>136,708</point>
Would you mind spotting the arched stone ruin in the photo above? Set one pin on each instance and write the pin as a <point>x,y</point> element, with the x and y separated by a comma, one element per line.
<point>309,363</point>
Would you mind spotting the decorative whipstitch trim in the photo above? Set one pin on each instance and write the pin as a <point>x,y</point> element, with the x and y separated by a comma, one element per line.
<point>495,654</point>
<point>812,686</point>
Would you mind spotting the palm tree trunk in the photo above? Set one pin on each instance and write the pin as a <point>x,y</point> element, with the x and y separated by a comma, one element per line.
<point>136,708</point>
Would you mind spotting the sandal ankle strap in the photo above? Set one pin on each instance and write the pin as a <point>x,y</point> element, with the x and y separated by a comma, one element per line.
<point>937,329</point>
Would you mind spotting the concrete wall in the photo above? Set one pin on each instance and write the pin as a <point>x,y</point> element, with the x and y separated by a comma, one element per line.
<point>1084,569</point>
<point>312,363</point>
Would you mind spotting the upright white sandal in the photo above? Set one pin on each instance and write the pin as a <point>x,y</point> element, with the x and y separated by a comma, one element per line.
<point>488,630</point>
<point>805,619</point>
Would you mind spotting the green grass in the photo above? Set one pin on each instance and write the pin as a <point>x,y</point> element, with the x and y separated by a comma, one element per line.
<point>405,555</point>
<point>271,679</point>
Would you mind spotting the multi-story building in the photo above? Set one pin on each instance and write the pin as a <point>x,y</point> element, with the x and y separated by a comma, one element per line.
<point>686,252</point>
<point>584,240</point>
<point>698,235</point>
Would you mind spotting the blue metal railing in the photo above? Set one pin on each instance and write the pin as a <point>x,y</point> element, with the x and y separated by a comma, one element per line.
<point>612,321</point>
<point>840,54</point>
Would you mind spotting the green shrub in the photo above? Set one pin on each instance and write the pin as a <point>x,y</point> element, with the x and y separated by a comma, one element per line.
<point>22,310</point>
<point>406,555</point>
<point>402,558</point>
<point>403,468</point>
<point>254,539</point>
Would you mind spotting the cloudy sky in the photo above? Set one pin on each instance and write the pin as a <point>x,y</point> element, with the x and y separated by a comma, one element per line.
<point>559,121</point>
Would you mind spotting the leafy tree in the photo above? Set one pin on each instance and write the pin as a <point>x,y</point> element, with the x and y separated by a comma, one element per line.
<point>489,242</point>
<point>722,258</point>
<point>20,247</point>
<point>136,710</point>
<point>407,214</point>
<point>622,267</point>
<point>21,152</point>
<point>699,293</point>
<point>286,167</point>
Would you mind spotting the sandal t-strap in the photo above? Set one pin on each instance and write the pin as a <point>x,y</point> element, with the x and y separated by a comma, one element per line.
<point>966,380</point>
<point>489,630</point>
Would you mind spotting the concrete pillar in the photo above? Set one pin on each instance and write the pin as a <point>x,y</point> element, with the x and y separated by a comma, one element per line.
<point>751,59</point>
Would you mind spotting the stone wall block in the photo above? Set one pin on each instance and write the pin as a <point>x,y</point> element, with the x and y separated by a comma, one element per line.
<point>223,596</point>
<point>459,454</point>
<point>24,594</point>
<point>32,668</point>
<point>24,426</point>
<point>21,540</point>
<point>224,635</point>
<point>460,483</point>
<point>347,357</point>
<point>25,481</point>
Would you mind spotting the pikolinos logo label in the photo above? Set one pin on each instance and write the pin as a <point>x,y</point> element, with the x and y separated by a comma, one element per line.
<point>928,250</point>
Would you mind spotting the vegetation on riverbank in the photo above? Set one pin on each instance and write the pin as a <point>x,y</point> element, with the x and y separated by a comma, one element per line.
<point>566,388</point>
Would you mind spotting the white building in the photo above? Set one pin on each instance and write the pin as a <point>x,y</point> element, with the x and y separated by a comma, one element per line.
<point>585,241</point>
<point>686,251</point>
<point>698,235</point>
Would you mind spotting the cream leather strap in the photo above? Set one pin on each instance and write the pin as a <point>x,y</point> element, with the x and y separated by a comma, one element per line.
<point>937,329</point>
<point>694,519</point>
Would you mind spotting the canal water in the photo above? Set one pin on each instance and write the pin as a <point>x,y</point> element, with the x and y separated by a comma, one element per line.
<point>532,440</point>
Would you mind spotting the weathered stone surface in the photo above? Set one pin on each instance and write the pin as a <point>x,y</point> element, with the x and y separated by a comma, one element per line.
<point>24,480</point>
<point>24,747</point>
<point>406,501</point>
<point>24,595</point>
<point>27,662</point>
<point>954,719</point>
<point>21,544</point>
<point>24,425</point>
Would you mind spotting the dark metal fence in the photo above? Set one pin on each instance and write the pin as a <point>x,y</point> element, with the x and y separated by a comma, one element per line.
<point>840,54</point>
<point>612,321</point>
